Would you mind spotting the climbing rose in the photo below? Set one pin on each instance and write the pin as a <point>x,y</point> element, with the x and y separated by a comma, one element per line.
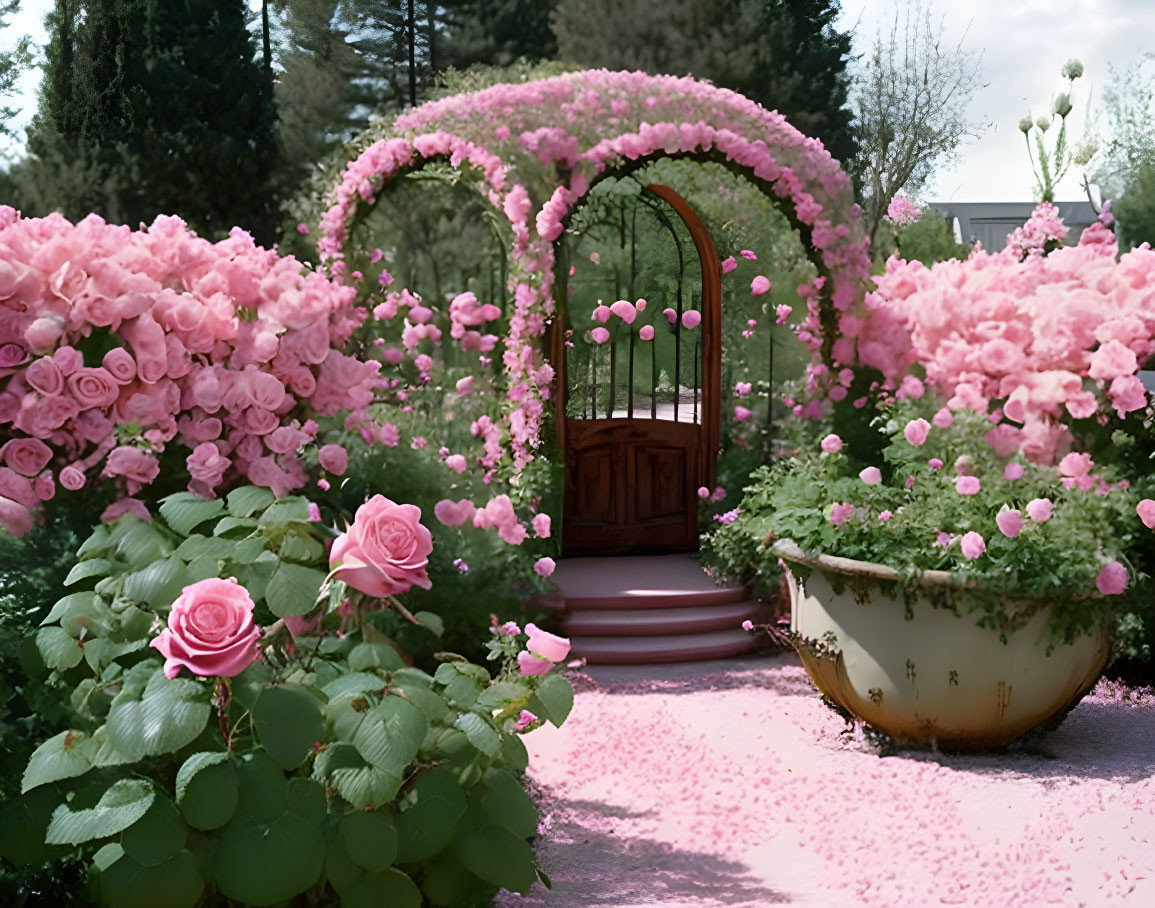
<point>760,285</point>
<point>385,551</point>
<point>600,335</point>
<point>943,419</point>
<point>841,513</point>
<point>546,645</point>
<point>544,566</point>
<point>1112,580</point>
<point>742,413</point>
<point>454,514</point>
<point>210,630</point>
<point>703,493</point>
<point>728,264</point>
<point>531,665</point>
<point>1010,523</point>
<point>782,313</point>
<point>524,720</point>
<point>832,444</point>
<point>1146,511</point>
<point>916,431</point>
<point>691,318</point>
<point>1013,471</point>
<point>541,525</point>
<point>646,333</point>
<point>1039,509</point>
<point>886,516</point>
<point>973,545</point>
<point>872,476</point>
<point>334,458</point>
<point>934,463</point>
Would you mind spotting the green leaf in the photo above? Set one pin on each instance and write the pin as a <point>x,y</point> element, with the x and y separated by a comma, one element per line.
<point>365,786</point>
<point>293,589</point>
<point>480,733</point>
<point>105,754</point>
<point>82,570</point>
<point>63,756</point>
<point>497,856</point>
<point>156,836</point>
<point>138,544</point>
<point>249,684</point>
<point>159,584</point>
<point>266,863</point>
<point>513,752</point>
<point>285,511</point>
<point>235,527</point>
<point>503,693</point>
<point>462,691</point>
<point>507,804</point>
<point>66,604</point>
<point>118,808</point>
<point>390,734</point>
<point>446,882</point>
<point>430,621</point>
<point>95,543</point>
<point>374,890</point>
<point>428,826</point>
<point>288,722</point>
<point>183,512</point>
<point>247,500</point>
<point>370,839</point>
<point>354,683</point>
<point>207,790</point>
<point>175,883</point>
<point>374,655</point>
<point>165,716</point>
<point>301,547</point>
<point>431,704</point>
<point>263,789</point>
<point>206,547</point>
<point>555,696</point>
<point>340,870</point>
<point>23,821</point>
<point>57,649</point>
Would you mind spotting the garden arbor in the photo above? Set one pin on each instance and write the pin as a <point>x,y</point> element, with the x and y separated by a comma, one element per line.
<point>535,150</point>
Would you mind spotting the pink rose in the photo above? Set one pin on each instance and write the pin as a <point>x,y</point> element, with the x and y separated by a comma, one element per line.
<point>456,462</point>
<point>120,365</point>
<point>916,432</point>
<point>334,458</point>
<point>1075,465</point>
<point>1010,523</point>
<point>832,444</point>
<point>210,631</point>
<point>943,419</point>
<point>886,516</point>
<point>741,414</point>
<point>524,720</point>
<point>93,387</point>
<point>1013,471</point>
<point>541,525</point>
<point>691,318</point>
<point>602,313</point>
<point>973,545</point>
<point>531,665</point>
<point>646,333</point>
<point>934,463</point>
<point>624,310</point>
<point>1146,511</point>
<point>670,314</point>
<point>872,476</point>
<point>840,513</point>
<point>43,334</point>
<point>546,645</point>
<point>600,335</point>
<point>1040,509</point>
<point>27,456</point>
<point>385,551</point>
<point>544,566</point>
<point>967,485</point>
<point>728,264</point>
<point>125,506</point>
<point>1112,580</point>
<point>72,477</point>
<point>45,376</point>
<point>760,285</point>
<point>205,464</point>
<point>454,514</point>
<point>133,464</point>
<point>14,517</point>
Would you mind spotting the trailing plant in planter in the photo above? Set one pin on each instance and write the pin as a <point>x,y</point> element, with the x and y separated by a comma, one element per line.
<point>243,727</point>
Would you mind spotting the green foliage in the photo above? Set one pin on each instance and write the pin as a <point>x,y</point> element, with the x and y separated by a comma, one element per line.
<point>930,239</point>
<point>331,769</point>
<point>150,109</point>
<point>12,63</point>
<point>1135,209</point>
<point>1057,560</point>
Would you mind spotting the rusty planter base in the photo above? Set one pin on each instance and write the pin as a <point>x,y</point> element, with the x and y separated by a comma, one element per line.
<point>929,676</point>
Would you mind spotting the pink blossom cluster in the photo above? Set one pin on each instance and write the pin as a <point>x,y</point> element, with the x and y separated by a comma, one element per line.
<point>115,344</point>
<point>1052,337</point>
<point>1043,232</point>
<point>902,211</point>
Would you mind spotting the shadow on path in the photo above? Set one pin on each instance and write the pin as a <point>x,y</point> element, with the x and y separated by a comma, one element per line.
<point>590,863</point>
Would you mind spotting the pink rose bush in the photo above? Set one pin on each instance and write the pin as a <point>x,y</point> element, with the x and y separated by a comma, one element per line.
<point>218,349</point>
<point>210,631</point>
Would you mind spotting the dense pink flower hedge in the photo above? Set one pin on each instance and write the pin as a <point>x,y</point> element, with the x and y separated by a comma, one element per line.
<point>116,344</point>
<point>1053,337</point>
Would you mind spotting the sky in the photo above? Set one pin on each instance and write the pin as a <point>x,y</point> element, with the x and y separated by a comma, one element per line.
<point>1024,44</point>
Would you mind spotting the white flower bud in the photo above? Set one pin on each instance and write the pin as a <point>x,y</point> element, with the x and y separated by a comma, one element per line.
<point>1044,122</point>
<point>1072,69</point>
<point>1026,123</point>
<point>1061,105</point>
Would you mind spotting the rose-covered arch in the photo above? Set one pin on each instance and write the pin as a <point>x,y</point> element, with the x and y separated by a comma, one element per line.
<point>538,147</point>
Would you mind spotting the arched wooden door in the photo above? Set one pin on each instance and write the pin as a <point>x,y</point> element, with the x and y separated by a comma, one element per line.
<point>634,461</point>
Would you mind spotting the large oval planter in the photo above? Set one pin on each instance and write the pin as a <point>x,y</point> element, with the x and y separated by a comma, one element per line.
<point>920,669</point>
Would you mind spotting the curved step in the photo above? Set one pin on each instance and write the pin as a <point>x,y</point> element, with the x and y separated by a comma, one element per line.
<point>654,581</point>
<point>675,648</point>
<point>658,621</point>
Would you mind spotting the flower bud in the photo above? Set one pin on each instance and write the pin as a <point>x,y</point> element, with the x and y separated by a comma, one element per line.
<point>1061,105</point>
<point>1043,122</point>
<point>1072,69</point>
<point>1026,123</point>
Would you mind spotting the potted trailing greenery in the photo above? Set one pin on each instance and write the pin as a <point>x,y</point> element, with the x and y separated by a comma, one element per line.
<point>947,595</point>
<point>244,727</point>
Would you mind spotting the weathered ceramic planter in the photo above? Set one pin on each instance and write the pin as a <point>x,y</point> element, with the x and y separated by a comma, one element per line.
<point>919,668</point>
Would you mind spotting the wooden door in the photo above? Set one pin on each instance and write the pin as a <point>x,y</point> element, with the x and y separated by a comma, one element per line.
<point>634,461</point>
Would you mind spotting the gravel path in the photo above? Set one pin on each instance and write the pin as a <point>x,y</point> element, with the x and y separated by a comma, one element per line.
<point>729,783</point>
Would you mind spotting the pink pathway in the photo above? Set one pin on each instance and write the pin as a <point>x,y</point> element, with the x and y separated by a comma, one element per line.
<point>729,783</point>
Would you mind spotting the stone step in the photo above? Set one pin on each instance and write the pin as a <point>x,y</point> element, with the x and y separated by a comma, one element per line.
<point>721,644</point>
<point>643,582</point>
<point>643,622</point>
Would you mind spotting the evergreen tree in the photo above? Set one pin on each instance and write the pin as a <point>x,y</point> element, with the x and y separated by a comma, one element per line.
<point>497,32</point>
<point>151,107</point>
<point>12,62</point>
<point>784,54</point>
